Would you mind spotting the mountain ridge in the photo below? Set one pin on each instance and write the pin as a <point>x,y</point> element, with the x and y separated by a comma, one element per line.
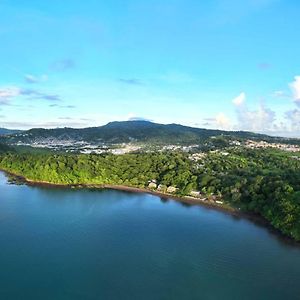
<point>137,131</point>
<point>6,131</point>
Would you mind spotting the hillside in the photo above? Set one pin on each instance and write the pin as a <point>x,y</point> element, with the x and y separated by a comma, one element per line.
<point>264,182</point>
<point>135,131</point>
<point>4,148</point>
<point>5,131</point>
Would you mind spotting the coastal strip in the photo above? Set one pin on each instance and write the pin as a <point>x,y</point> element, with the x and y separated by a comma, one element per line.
<point>187,200</point>
<point>164,195</point>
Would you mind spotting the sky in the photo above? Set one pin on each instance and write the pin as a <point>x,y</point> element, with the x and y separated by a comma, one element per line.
<point>225,64</point>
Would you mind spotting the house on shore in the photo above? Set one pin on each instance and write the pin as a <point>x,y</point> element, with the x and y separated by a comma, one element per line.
<point>172,189</point>
<point>196,194</point>
<point>152,185</point>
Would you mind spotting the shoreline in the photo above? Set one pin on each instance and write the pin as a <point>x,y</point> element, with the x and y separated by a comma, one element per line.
<point>183,199</point>
<point>188,200</point>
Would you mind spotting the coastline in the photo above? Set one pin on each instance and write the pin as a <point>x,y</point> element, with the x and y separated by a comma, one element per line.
<point>183,199</point>
<point>188,200</point>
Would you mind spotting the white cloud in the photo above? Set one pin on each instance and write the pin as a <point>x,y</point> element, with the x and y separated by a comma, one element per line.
<point>7,93</point>
<point>35,79</point>
<point>240,99</point>
<point>222,121</point>
<point>281,94</point>
<point>295,87</point>
<point>260,120</point>
<point>257,120</point>
<point>263,119</point>
<point>293,117</point>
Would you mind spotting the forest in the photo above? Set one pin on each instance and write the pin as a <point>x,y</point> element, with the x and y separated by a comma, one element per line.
<point>264,182</point>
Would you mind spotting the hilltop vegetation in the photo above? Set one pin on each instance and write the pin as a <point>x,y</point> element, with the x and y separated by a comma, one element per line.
<point>265,182</point>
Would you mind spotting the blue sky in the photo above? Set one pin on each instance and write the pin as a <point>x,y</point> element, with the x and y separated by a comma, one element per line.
<point>226,64</point>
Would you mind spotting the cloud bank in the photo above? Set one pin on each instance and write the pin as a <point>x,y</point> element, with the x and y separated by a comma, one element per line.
<point>295,87</point>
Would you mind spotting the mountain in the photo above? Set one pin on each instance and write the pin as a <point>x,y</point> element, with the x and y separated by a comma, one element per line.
<point>135,131</point>
<point>5,131</point>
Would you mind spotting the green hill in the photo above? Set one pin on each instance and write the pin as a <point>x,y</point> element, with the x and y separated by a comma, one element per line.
<point>5,131</point>
<point>138,131</point>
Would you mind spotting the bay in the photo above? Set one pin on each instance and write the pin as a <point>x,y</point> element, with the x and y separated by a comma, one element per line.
<point>59,243</point>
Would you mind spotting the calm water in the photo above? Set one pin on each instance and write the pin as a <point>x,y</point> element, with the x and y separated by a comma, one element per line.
<point>81,244</point>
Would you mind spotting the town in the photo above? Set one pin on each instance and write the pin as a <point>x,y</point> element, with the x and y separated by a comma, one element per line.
<point>75,146</point>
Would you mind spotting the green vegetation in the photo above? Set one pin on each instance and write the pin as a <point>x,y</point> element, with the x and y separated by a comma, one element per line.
<point>4,149</point>
<point>143,132</point>
<point>4,131</point>
<point>265,182</point>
